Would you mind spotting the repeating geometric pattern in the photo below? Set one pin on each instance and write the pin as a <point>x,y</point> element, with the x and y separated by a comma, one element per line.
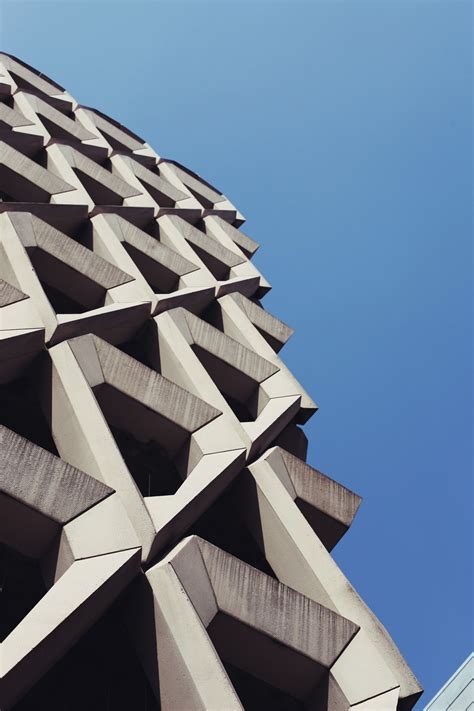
<point>164,542</point>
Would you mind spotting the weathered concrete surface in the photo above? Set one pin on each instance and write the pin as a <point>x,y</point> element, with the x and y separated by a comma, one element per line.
<point>52,122</point>
<point>44,482</point>
<point>306,629</point>
<point>273,330</point>
<point>277,635</point>
<point>371,665</point>
<point>246,243</point>
<point>123,137</point>
<point>9,294</point>
<point>328,506</point>
<point>21,177</point>
<point>64,263</point>
<point>152,393</point>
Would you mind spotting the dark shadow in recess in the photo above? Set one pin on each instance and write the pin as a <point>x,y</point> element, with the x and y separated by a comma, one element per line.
<point>20,411</point>
<point>151,468</point>
<point>223,526</point>
<point>100,673</point>
<point>257,695</point>
<point>21,587</point>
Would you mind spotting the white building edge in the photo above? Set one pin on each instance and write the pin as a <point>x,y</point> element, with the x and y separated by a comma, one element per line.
<point>458,692</point>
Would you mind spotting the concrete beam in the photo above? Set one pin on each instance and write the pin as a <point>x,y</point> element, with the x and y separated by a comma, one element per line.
<point>371,665</point>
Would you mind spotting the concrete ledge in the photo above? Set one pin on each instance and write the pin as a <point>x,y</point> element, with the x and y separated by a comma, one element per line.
<point>246,243</point>
<point>328,506</point>
<point>146,387</point>
<point>252,622</point>
<point>44,482</point>
<point>20,176</point>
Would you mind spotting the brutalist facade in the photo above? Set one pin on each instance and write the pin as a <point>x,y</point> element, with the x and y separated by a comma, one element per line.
<point>164,544</point>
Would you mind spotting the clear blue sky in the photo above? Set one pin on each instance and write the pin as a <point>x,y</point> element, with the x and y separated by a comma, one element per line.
<point>342,130</point>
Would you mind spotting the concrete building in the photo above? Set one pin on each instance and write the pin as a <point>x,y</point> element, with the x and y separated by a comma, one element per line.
<point>458,692</point>
<point>164,543</point>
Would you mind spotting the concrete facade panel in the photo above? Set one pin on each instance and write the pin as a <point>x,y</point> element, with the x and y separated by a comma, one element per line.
<point>154,490</point>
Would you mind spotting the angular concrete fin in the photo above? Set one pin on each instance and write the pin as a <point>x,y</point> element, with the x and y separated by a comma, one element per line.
<point>22,177</point>
<point>272,329</point>
<point>12,117</point>
<point>206,243</point>
<point>44,482</point>
<point>149,246</point>
<point>246,243</point>
<point>275,610</point>
<point>58,118</point>
<point>113,130</point>
<point>144,385</point>
<point>228,350</point>
<point>328,506</point>
<point>68,251</point>
<point>154,181</point>
<point>10,294</point>
<point>96,172</point>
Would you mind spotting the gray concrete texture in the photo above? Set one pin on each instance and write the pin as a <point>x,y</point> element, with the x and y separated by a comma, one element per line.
<point>163,542</point>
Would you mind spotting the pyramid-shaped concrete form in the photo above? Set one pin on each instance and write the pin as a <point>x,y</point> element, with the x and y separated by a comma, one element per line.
<point>164,543</point>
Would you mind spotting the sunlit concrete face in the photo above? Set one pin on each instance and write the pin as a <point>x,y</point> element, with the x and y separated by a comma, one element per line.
<point>164,543</point>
